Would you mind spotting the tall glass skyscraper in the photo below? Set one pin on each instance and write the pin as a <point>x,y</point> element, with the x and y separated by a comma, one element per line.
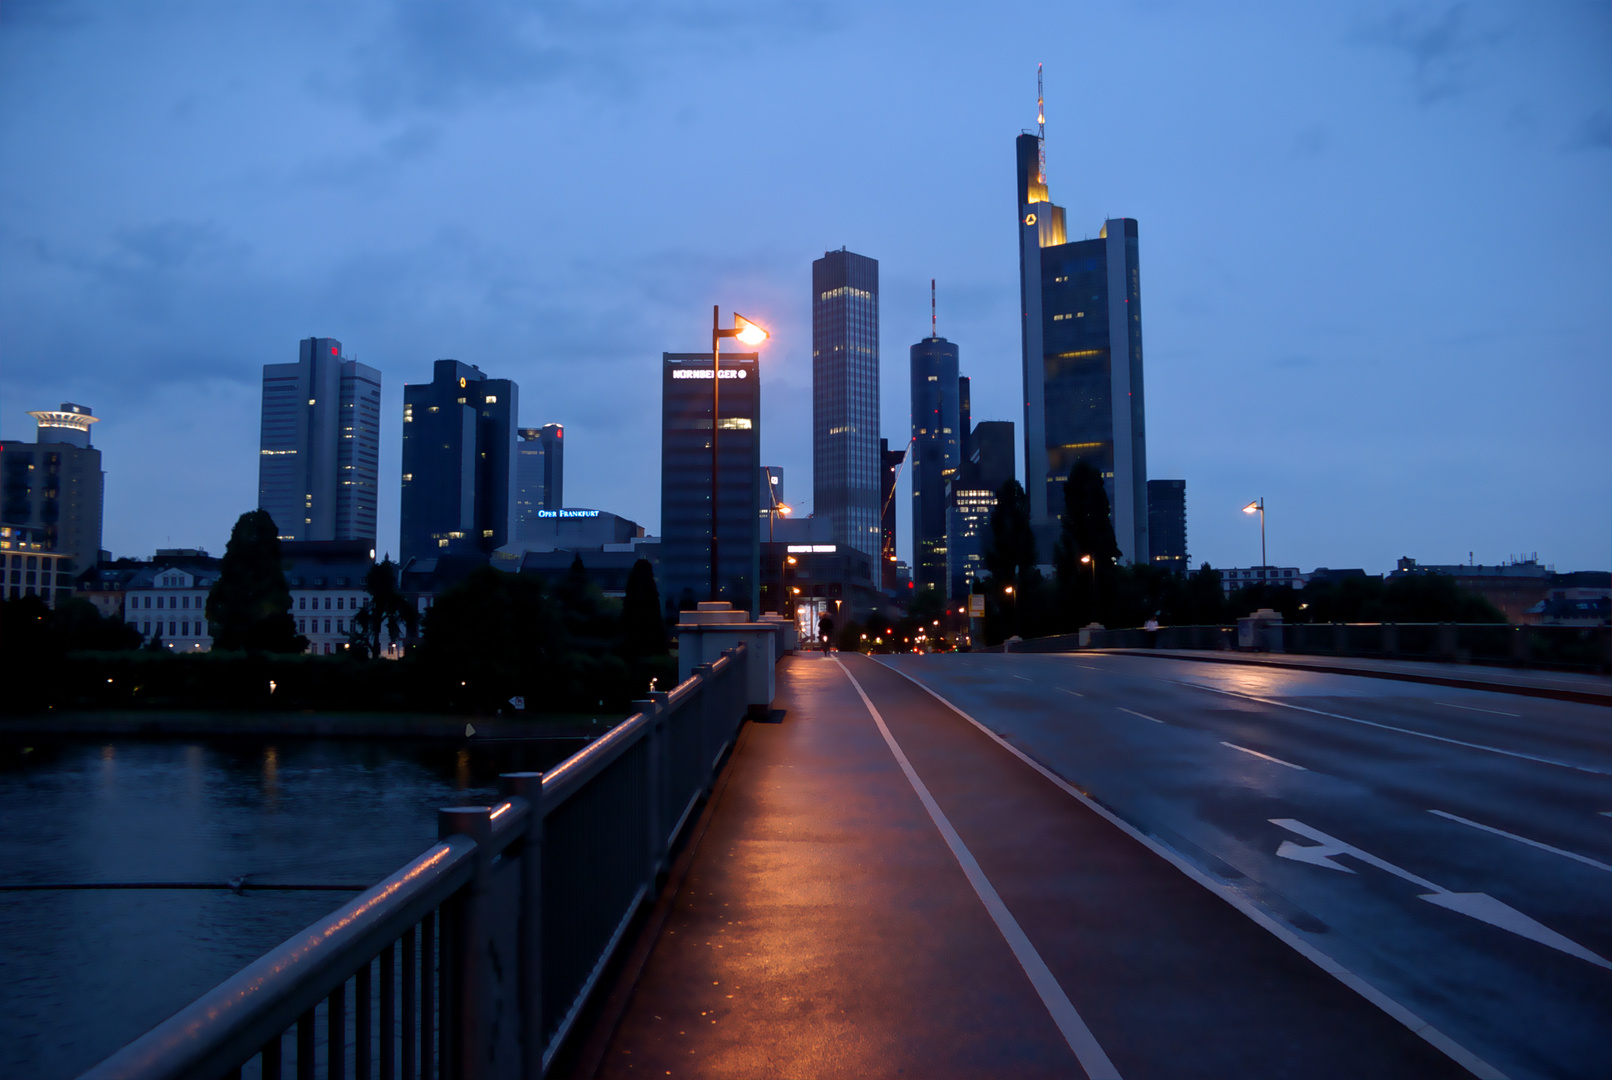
<point>845,398</point>
<point>936,455</point>
<point>458,462</point>
<point>319,446</point>
<point>539,475</point>
<point>685,481</point>
<point>1082,334</point>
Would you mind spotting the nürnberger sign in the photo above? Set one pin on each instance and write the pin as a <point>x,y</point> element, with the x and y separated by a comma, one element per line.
<point>705,373</point>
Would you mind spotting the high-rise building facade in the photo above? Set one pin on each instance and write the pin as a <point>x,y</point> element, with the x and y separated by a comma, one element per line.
<point>53,491</point>
<point>890,471</point>
<point>936,455</point>
<point>539,475</point>
<point>1082,338</point>
<point>845,398</point>
<point>1167,524</point>
<point>458,462</point>
<point>685,480</point>
<point>987,464</point>
<point>320,445</point>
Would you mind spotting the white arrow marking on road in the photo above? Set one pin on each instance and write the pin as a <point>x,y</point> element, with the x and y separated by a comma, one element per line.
<point>1480,906</point>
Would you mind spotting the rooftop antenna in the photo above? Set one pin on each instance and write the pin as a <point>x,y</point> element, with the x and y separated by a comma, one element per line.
<point>1041,128</point>
<point>932,332</point>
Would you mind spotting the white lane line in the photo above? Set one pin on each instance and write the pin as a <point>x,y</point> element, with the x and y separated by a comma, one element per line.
<point>1267,757</point>
<point>1447,1046</point>
<point>1074,1029</point>
<point>1022,677</point>
<point>1143,715</point>
<point>1474,708</point>
<point>1587,861</point>
<point>1077,693</point>
<point>1403,731</point>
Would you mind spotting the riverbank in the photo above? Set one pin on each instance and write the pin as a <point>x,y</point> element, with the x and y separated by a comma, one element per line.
<point>179,723</point>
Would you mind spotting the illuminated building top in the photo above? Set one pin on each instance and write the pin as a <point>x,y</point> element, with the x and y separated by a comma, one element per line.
<point>55,424</point>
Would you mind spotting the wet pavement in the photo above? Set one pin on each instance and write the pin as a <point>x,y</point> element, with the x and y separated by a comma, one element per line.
<point>884,889</point>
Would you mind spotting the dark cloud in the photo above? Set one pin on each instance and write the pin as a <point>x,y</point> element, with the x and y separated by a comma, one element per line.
<point>1593,133</point>
<point>1442,45</point>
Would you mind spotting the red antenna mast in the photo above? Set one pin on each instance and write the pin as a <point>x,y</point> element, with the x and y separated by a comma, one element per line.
<point>932,308</point>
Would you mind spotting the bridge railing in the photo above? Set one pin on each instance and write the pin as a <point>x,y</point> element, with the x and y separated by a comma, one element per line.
<point>474,960</point>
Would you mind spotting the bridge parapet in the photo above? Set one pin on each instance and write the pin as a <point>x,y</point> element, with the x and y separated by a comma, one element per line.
<point>475,960</point>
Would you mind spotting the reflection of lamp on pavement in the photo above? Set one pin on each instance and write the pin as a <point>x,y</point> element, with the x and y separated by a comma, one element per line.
<point>751,334</point>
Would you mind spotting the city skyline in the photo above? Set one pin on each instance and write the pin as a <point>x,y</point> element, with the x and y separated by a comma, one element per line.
<point>1274,317</point>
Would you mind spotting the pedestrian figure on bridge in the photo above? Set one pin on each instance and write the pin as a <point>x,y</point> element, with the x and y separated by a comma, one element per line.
<point>1151,630</point>
<point>825,631</point>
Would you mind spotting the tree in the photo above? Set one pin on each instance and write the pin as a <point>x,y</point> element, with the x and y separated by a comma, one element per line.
<point>1011,551</point>
<point>1086,531</point>
<point>250,605</point>
<point>643,629</point>
<point>386,609</point>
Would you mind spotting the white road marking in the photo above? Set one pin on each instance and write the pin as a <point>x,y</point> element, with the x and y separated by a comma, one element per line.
<point>1403,731</point>
<point>1474,708</point>
<point>1087,1050</point>
<point>1480,906</point>
<point>1143,715</point>
<point>1022,677</point>
<point>1077,693</point>
<point>1267,757</point>
<point>1586,860</point>
<point>1447,1046</point>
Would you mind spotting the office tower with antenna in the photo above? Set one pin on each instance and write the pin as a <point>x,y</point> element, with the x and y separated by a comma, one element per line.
<point>845,399</point>
<point>1082,356</point>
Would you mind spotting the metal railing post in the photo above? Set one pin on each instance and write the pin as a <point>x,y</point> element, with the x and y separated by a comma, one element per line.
<point>468,1001</point>
<point>654,741</point>
<point>529,922</point>
<point>709,706</point>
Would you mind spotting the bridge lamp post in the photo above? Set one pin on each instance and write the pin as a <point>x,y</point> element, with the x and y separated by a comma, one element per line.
<point>1258,507</point>
<point>1014,597</point>
<point>751,334</point>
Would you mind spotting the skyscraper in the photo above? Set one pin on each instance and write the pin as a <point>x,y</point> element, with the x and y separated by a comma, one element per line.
<point>890,462</point>
<point>54,488</point>
<point>319,446</point>
<point>936,455</point>
<point>1082,335</point>
<point>458,462</point>
<point>539,475</point>
<point>685,481</point>
<point>1167,524</point>
<point>845,398</point>
<point>986,466</point>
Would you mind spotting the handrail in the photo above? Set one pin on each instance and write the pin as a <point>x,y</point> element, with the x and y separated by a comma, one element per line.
<point>268,995</point>
<point>625,798</point>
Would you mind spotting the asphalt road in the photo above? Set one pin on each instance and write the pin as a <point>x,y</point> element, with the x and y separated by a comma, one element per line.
<point>1451,848</point>
<point>885,888</point>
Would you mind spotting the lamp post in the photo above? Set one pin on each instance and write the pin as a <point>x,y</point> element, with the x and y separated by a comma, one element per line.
<point>1258,507</point>
<point>772,515</point>
<point>751,334</point>
<point>1011,593</point>
<point>1091,562</point>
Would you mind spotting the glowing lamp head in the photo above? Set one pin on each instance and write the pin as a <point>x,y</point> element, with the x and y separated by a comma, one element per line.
<point>1252,508</point>
<point>1085,558</point>
<point>749,332</point>
<point>783,509</point>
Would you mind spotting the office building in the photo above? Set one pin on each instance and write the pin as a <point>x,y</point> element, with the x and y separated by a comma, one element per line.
<point>458,462</point>
<point>327,583</point>
<point>320,443</point>
<point>166,598</point>
<point>1082,339</point>
<point>1167,524</point>
<point>965,420</point>
<point>845,397</point>
<point>539,475</point>
<point>986,466</point>
<point>936,454</point>
<point>686,482</point>
<point>890,462</point>
<point>52,492</point>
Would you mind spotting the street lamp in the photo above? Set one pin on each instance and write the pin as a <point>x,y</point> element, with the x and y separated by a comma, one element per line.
<point>1258,507</point>
<point>772,515</point>
<point>1009,591</point>
<point>751,334</point>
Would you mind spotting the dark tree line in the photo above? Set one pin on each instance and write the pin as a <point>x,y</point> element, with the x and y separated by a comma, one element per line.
<point>1091,585</point>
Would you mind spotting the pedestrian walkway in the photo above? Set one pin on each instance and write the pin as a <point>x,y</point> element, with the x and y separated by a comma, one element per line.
<point>900,895</point>
<point>1584,687</point>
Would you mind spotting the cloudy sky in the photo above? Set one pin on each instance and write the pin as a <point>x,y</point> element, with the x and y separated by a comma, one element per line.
<point>1376,238</point>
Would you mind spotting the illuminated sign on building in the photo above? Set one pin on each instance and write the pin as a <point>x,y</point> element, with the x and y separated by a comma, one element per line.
<point>813,549</point>
<point>568,513</point>
<point>705,373</point>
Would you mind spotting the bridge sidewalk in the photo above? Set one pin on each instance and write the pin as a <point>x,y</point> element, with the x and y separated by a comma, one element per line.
<point>825,928</point>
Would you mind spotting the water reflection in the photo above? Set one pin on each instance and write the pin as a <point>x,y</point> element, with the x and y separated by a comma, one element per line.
<point>82,972</point>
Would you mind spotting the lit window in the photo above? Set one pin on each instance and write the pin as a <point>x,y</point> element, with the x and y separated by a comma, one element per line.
<point>492,399</point>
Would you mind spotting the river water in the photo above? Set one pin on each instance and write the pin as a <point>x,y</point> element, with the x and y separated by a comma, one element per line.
<point>84,970</point>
